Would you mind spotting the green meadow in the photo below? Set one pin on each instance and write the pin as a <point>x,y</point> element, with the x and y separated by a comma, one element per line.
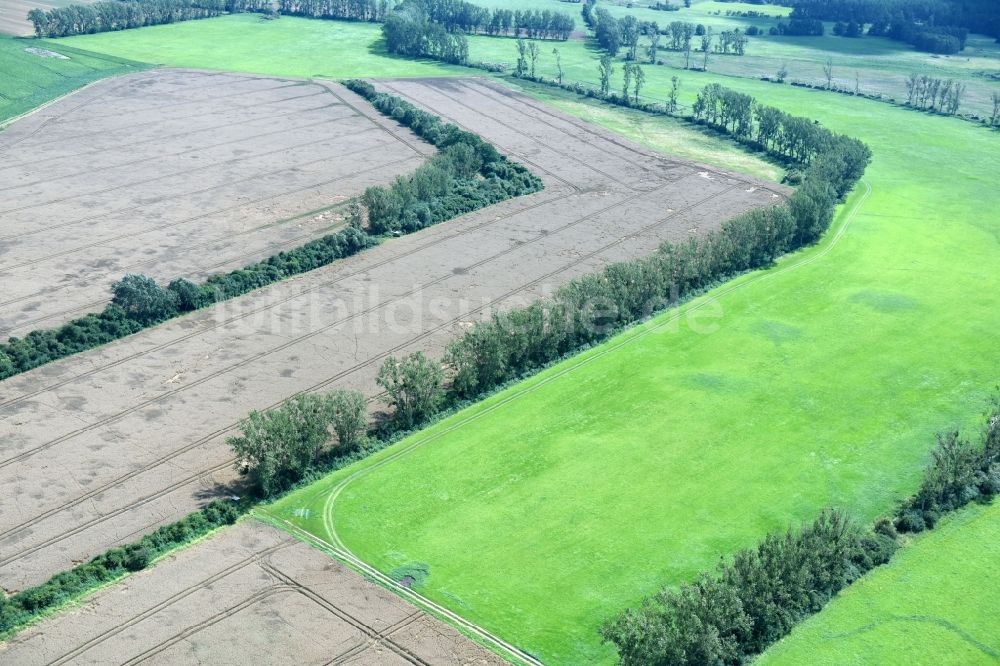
<point>934,604</point>
<point>549,507</point>
<point>28,80</point>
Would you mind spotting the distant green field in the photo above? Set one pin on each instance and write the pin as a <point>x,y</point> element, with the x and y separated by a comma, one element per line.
<point>934,604</point>
<point>28,80</point>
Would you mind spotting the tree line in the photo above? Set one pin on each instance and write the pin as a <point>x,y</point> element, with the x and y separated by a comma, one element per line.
<point>110,16</point>
<point>927,92</point>
<point>758,596</point>
<point>520,341</point>
<point>938,26</point>
<point>467,174</point>
<point>456,15</point>
<point>24,607</point>
<point>344,10</point>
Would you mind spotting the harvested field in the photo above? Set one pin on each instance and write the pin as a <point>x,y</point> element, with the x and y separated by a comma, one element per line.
<point>176,174</point>
<point>248,595</point>
<point>106,445</point>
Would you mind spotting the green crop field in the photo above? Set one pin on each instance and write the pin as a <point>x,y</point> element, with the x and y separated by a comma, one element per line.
<point>934,604</point>
<point>28,80</point>
<point>548,508</point>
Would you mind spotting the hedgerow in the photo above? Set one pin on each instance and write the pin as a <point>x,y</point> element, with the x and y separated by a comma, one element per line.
<point>19,610</point>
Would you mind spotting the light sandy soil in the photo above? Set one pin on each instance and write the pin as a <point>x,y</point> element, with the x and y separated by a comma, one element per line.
<point>176,174</point>
<point>250,594</point>
<point>102,447</point>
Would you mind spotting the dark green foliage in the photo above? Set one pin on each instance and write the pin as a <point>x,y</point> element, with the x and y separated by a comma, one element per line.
<point>353,10</point>
<point>19,609</point>
<point>414,385</point>
<point>960,472</point>
<point>348,417</point>
<point>143,300</point>
<point>275,448</point>
<point>125,14</point>
<point>752,601</point>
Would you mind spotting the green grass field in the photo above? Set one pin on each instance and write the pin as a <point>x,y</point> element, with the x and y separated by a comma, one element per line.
<point>934,604</point>
<point>28,80</point>
<point>548,508</point>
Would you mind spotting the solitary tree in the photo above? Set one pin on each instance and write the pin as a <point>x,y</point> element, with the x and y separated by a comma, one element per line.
<point>706,46</point>
<point>606,68</point>
<point>414,387</point>
<point>533,55</point>
<point>675,84</point>
<point>522,58</point>
<point>640,79</point>
<point>828,73</point>
<point>559,69</point>
<point>995,117</point>
<point>857,82</point>
<point>687,34</point>
<point>654,43</point>
<point>782,73</point>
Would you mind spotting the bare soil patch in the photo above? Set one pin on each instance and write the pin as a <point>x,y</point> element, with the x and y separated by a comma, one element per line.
<point>175,174</point>
<point>250,594</point>
<point>104,446</point>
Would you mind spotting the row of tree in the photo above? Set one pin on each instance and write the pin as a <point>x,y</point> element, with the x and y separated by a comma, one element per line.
<point>759,595</point>
<point>590,308</point>
<point>466,175</point>
<point>927,92</point>
<point>108,16</point>
<point>456,15</point>
<point>767,127</point>
<point>139,302</point>
<point>344,10</point>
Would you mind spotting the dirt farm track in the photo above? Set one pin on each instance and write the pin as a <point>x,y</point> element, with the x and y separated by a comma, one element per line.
<point>104,446</point>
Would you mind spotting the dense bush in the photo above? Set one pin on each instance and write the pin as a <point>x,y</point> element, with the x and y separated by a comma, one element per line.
<point>22,608</point>
<point>275,448</point>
